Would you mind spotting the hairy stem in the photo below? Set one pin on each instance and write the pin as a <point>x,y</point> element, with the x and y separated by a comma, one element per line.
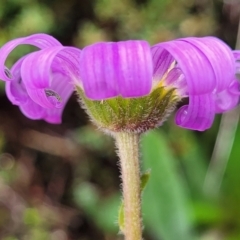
<point>128,147</point>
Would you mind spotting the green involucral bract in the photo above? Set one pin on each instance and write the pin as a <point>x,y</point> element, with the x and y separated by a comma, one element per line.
<point>134,115</point>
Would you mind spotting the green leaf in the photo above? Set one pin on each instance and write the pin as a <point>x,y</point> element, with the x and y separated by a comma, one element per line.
<point>106,213</point>
<point>230,186</point>
<point>87,196</point>
<point>165,202</point>
<point>192,156</point>
<point>102,211</point>
<point>144,179</point>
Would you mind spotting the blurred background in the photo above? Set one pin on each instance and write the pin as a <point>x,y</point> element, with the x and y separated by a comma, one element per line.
<point>61,182</point>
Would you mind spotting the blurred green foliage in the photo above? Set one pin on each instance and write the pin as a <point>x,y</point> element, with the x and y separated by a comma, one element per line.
<point>62,182</point>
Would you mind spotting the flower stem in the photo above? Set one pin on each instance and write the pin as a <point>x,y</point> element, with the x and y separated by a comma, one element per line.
<point>128,147</point>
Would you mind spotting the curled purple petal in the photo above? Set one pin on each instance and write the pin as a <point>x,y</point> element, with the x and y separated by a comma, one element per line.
<point>112,69</point>
<point>219,56</point>
<point>198,115</point>
<point>175,79</point>
<point>47,75</point>
<point>199,76</point>
<point>53,116</point>
<point>227,99</point>
<point>38,40</point>
<point>173,76</point>
<point>35,112</point>
<point>236,55</point>
<point>15,89</point>
<point>162,61</point>
<point>32,110</point>
<point>18,95</point>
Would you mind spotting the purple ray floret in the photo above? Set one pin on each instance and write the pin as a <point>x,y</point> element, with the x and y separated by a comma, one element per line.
<point>116,69</point>
<point>40,82</point>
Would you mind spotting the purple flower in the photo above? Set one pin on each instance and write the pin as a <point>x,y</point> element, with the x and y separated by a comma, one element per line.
<point>200,69</point>
<point>40,83</point>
